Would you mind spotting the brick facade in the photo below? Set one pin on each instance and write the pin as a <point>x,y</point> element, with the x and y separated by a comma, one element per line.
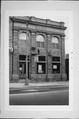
<point>33,27</point>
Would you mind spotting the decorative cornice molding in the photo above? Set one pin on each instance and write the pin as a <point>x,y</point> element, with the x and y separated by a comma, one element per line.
<point>48,23</point>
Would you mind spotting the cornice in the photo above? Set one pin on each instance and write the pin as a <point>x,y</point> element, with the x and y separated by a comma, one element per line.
<point>14,19</point>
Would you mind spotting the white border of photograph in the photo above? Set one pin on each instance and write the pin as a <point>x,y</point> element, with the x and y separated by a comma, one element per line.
<point>66,14</point>
<point>5,59</point>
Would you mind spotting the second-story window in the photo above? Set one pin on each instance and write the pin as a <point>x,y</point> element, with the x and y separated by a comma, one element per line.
<point>40,41</point>
<point>22,36</point>
<point>55,43</point>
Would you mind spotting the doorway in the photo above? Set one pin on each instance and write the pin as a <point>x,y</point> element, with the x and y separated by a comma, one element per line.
<point>22,70</point>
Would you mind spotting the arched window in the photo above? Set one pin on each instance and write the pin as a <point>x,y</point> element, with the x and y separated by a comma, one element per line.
<point>40,41</point>
<point>22,36</point>
<point>55,43</point>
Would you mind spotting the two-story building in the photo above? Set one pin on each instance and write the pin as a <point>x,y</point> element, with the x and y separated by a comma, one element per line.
<point>36,49</point>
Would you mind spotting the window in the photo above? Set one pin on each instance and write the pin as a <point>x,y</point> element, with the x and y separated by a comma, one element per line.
<point>40,41</point>
<point>55,64</point>
<point>56,68</point>
<point>55,58</point>
<point>41,65</point>
<point>22,36</point>
<point>55,43</point>
<point>41,58</point>
<point>22,57</point>
<point>41,68</point>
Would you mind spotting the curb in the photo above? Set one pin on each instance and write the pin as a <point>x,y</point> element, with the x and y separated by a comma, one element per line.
<point>38,88</point>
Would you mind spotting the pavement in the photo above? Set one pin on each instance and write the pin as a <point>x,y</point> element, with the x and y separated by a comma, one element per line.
<point>37,85</point>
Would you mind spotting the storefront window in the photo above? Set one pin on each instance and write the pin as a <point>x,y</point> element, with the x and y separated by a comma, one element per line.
<point>41,65</point>
<point>56,68</point>
<point>55,64</point>
<point>41,68</point>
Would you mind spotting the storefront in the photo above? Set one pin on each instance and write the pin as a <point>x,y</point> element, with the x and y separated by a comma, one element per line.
<point>38,49</point>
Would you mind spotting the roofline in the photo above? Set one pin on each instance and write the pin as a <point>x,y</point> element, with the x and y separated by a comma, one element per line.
<point>14,19</point>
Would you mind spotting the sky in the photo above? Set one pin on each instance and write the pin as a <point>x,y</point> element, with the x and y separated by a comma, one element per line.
<point>60,16</point>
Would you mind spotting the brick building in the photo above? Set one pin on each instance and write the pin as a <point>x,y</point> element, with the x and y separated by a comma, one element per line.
<point>36,49</point>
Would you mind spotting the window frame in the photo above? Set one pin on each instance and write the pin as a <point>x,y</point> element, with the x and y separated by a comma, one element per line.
<point>54,44</point>
<point>41,43</point>
<point>21,36</point>
<point>56,62</point>
<point>56,71</point>
<point>41,62</point>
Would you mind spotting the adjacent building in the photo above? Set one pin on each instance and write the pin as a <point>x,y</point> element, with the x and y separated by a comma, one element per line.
<point>67,65</point>
<point>36,49</point>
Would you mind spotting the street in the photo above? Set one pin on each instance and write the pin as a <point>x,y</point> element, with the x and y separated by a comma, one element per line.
<point>49,96</point>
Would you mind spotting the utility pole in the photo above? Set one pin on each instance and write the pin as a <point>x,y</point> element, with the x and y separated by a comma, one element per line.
<point>26,80</point>
<point>47,57</point>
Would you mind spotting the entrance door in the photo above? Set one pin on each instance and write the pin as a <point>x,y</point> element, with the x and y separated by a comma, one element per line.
<point>22,70</point>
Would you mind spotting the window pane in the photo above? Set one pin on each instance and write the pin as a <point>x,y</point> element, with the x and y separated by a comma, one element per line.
<point>42,44</point>
<point>41,68</point>
<point>57,46</point>
<point>22,57</point>
<point>38,44</point>
<point>22,36</point>
<point>40,38</point>
<point>54,40</point>
<point>56,68</point>
<point>55,58</point>
<point>53,45</point>
<point>41,58</point>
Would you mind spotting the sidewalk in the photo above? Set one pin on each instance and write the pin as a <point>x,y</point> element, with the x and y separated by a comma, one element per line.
<point>18,86</point>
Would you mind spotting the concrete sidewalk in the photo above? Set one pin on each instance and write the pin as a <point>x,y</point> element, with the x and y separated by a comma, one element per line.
<point>37,84</point>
